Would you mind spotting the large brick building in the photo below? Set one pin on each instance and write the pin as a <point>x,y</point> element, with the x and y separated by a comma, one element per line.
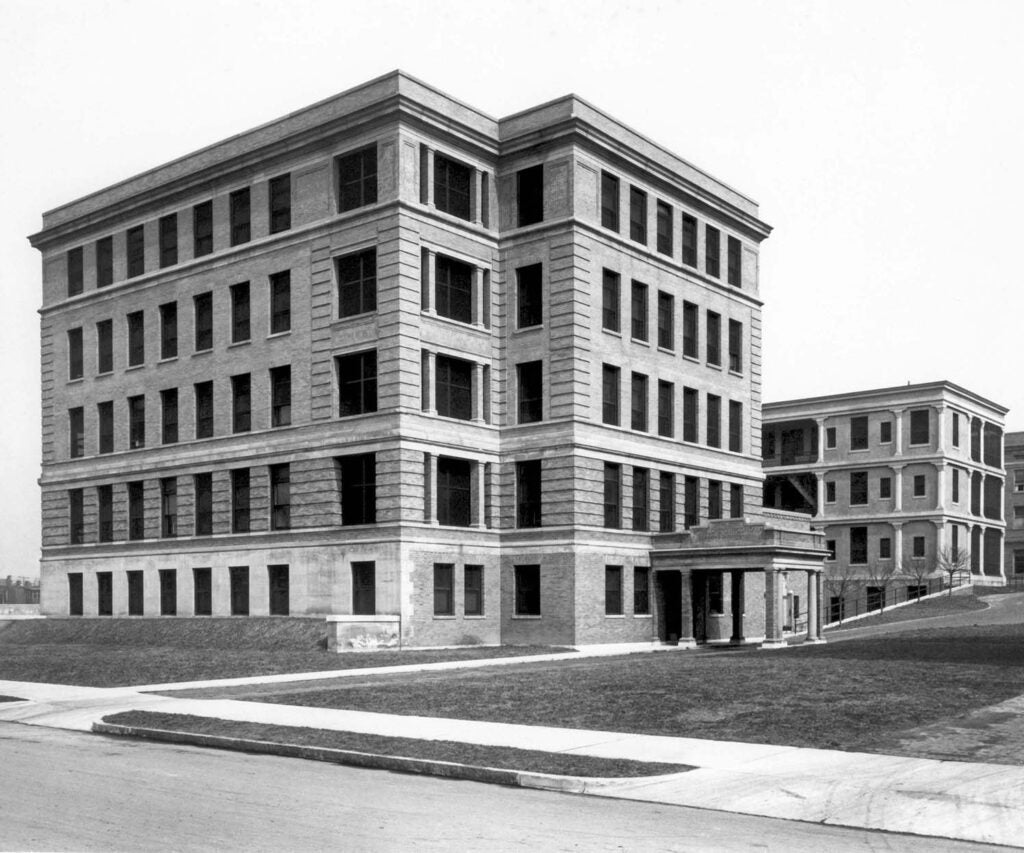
<point>1014,506</point>
<point>439,376</point>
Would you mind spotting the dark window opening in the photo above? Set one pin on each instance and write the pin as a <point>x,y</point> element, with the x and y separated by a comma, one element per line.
<point>530,195</point>
<point>452,182</point>
<point>530,391</point>
<point>454,501</point>
<point>357,179</point>
<point>609,201</point>
<point>527,583</point>
<point>241,403</point>
<point>357,283</point>
<point>240,217</point>
<point>136,251</point>
<point>202,229</point>
<point>530,293</point>
<point>280,203</point>
<point>528,493</point>
<point>357,383</point>
<point>240,500</point>
<point>358,489</point>
<point>453,388</point>
<point>203,307</point>
<point>168,240</point>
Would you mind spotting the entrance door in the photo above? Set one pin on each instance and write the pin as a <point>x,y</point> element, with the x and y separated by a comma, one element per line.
<point>75,594</point>
<point>168,592</point>
<point>135,593</point>
<point>105,593</point>
<point>670,603</point>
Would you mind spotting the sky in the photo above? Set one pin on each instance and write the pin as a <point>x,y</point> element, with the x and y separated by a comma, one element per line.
<point>883,141</point>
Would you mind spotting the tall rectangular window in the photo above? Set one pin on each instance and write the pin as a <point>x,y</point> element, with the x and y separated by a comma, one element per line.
<point>453,389</point>
<point>240,500</point>
<point>357,283</point>
<point>104,261</point>
<point>76,430</point>
<point>136,338</point>
<point>76,278</point>
<point>105,510</point>
<point>280,302</point>
<point>453,286</point>
<point>691,502</point>
<point>711,251</point>
<point>665,228</point>
<point>169,507</point>
<point>203,485</point>
<point>454,492</point>
<point>136,510</point>
<point>204,409</point>
<point>358,489</point>
<point>610,301</point>
<point>609,201</point>
<point>691,414</point>
<point>357,383</point>
<point>735,500</point>
<point>238,581</point>
<point>76,516</point>
<point>689,240</point>
<point>638,402</point>
<point>444,589</point>
<point>280,203</point>
<point>885,486</point>
<point>136,245</point>
<point>530,391</point>
<point>612,495</point>
<point>169,416</point>
<point>240,216</point>
<point>735,346</point>
<point>919,426</point>
<point>473,592</point>
<point>364,588</point>
<point>241,403</point>
<point>240,313</point>
<point>203,309</point>
<point>527,592</point>
<point>641,498</point>
<point>859,433</point>
<point>530,195</point>
<point>691,334</point>
<point>714,499</point>
<point>137,422</point>
<point>735,261</point>
<point>281,395</point>
<point>666,408</point>
<point>714,334</point>
<point>202,229</point>
<point>638,304</point>
<point>168,240</point>
<point>75,359</point>
<point>613,590</point>
<point>452,182</point>
<point>530,295</point>
<point>666,502</point>
<point>169,330</point>
<point>357,179</point>
<point>637,215</point>
<point>641,590</point>
<point>610,381</point>
<point>666,320</point>
<point>105,416</point>
<point>858,487</point>
<point>956,429</point>
<point>277,582</point>
<point>528,493</point>
<point>956,485</point>
<point>280,497</point>
<point>735,426</point>
<point>104,346</point>
<point>858,545</point>
<point>714,433</point>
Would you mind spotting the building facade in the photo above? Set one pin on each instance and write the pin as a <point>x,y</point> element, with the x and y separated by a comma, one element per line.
<point>1013,445</point>
<point>444,377</point>
<point>906,483</point>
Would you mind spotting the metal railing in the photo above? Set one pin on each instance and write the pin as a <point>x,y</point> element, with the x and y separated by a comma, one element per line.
<point>862,602</point>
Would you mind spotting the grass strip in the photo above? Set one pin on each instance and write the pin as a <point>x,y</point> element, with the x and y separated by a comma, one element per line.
<point>11,699</point>
<point>507,758</point>
<point>945,606</point>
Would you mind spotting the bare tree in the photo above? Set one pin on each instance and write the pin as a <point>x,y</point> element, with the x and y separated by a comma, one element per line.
<point>880,575</point>
<point>953,563</point>
<point>842,582</point>
<point>919,570</point>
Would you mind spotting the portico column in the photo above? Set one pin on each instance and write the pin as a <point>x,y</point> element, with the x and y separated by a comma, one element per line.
<point>899,431</point>
<point>813,607</point>
<point>429,382</point>
<point>940,429</point>
<point>478,392</point>
<point>478,296</point>
<point>772,617</point>
<point>686,604</point>
<point>428,259</point>
<point>737,606</point>
<point>940,502</point>
<point>897,531</point>
<point>821,495</point>
<point>821,441</point>
<point>898,485</point>
<point>940,535</point>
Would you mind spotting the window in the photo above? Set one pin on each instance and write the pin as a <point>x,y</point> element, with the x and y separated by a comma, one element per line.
<point>830,438</point>
<point>105,416</point>
<point>454,504</point>
<point>239,212</point>
<point>280,302</point>
<point>444,589</point>
<point>105,510</point>
<point>1018,562</point>
<point>956,485</point>
<point>136,422</point>
<point>241,403</point>
<point>169,330</point>
<point>357,179</point>
<point>452,181</point>
<point>637,215</point>
<point>75,606</point>
<point>641,498</point>
<point>277,583</point>
<point>136,244</point>
<point>280,203</point>
<point>168,240</point>
<point>136,510</point>
<point>527,593</point>
<point>714,499</point>
<point>281,395</point>
<point>918,546</point>
<point>639,311</point>
<point>691,502</point>
<point>830,546</point>
<point>613,590</point>
<point>240,500</point>
<point>530,195</point>
<point>641,591</point>
<point>735,346</point>
<point>664,228</point>
<point>956,429</point>
<point>690,331</point>
<point>75,275</point>
<point>169,416</point>
<point>238,579</point>
<point>666,409</point>
<point>204,409</point>
<point>357,283</point>
<point>610,299</point>
<point>280,497</point>
<point>689,240</point>
<point>714,434</point>
<point>859,433</point>
<point>75,366</point>
<point>610,394</point>
<point>358,489</point>
<point>612,495</point>
<point>528,493</point>
<point>735,500</point>
<point>885,487</point>
<point>364,589</point>
<point>169,507</point>
<point>858,487</point>
<point>357,383</point>
<point>473,592</point>
<point>454,385</point>
<point>104,593</point>
<point>714,343</point>
<point>666,502</point>
<point>885,432</point>
<point>530,295</point>
<point>453,288</point>
<point>203,485</point>
<point>735,260</point>
<point>919,427</point>
<point>240,310</point>
<point>609,201</point>
<point>531,391</point>
<point>638,402</point>
<point>136,338</point>
<point>666,321</point>
<point>691,414</point>
<point>202,229</point>
<point>104,261</point>
<point>858,545</point>
<point>920,487</point>
<point>76,516</point>
<point>104,346</point>
<point>884,548</point>
<point>711,251</point>
<point>203,308</point>
<point>735,426</point>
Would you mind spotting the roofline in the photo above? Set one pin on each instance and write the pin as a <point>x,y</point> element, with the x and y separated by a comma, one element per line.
<point>941,385</point>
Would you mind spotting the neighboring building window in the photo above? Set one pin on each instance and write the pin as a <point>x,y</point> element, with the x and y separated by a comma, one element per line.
<point>858,545</point>
<point>830,438</point>
<point>357,383</point>
<point>641,590</point>
<point>830,492</point>
<point>691,414</point>
<point>638,402</point>
<point>530,195</point>
<point>169,416</point>
<point>530,295</point>
<point>609,201</point>
<point>638,304</point>
<point>689,240</point>
<point>735,269</point>
<point>202,229</point>
<point>735,346</point>
<point>666,320</point>
<point>858,487</point>
<point>104,261</point>
<point>885,487</point>
<point>885,432</point>
<point>169,330</point>
<point>105,508</point>
<point>641,498</point>
<point>527,582</point>
<point>665,228</point>
<point>610,301</point>
<point>280,497</point>
<point>920,488</point>
<point>453,288</point>
<point>714,499</point>
<point>666,501</point>
<point>240,500</point>
<point>136,339</point>
<point>711,251</point>
<point>918,546</point>
<point>473,591</point>
<point>666,409</point>
<point>136,422</point>
<point>612,495</point>
<point>528,493</point>
<point>956,485</point>
<point>136,244</point>
<point>358,489</point>
<point>105,416</point>
<point>168,240</point>
<point>735,500</point>
<point>830,546</point>
<point>203,308</point>
<point>241,403</point>
<point>454,387</point>
<point>277,581</point>
<point>884,548</point>
<point>919,427</point>
<point>637,215</point>
<point>444,589</point>
<point>280,302</point>
<point>357,179</point>
<point>203,484</point>
<point>76,430</point>
<point>364,588</point>
<point>613,590</point>
<point>691,502</point>
<point>76,516</point>
<point>240,313</point>
<point>956,429</point>
<point>454,502</point>
<point>357,283</point>
<point>610,394</point>
<point>76,277</point>
<point>169,507</point>
<point>859,433</point>
<point>280,203</point>
<point>530,391</point>
<point>735,426</point>
<point>240,216</point>
<point>136,510</point>
<point>204,409</point>
<point>104,346</point>
<point>690,330</point>
<point>281,395</point>
<point>714,343</point>
<point>75,358</point>
<point>714,434</point>
<point>1018,562</point>
<point>452,181</point>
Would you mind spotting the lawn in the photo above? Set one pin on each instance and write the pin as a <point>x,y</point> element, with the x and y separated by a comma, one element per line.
<point>946,605</point>
<point>857,695</point>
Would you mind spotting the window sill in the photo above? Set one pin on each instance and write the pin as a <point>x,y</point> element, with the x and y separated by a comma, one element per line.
<point>77,380</point>
<point>104,373</point>
<point>737,373</point>
<point>616,333</point>
<point>692,358</point>
<point>614,615</point>
<point>199,352</point>
<point>475,616</point>
<point>639,341</point>
<point>131,367</point>
<point>236,344</point>
<point>537,327</point>
<point>667,350</point>
<point>273,335</point>
<point>169,360</point>
<point>444,617</point>
<point>526,617</point>
<point>714,366</point>
<point>860,450</point>
<point>643,615</point>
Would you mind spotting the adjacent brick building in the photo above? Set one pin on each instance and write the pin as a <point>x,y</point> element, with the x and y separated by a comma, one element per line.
<point>442,377</point>
<point>1013,445</point>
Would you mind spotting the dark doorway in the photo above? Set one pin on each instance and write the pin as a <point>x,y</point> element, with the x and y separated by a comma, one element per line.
<point>105,593</point>
<point>364,589</point>
<point>168,592</point>
<point>202,585</point>
<point>278,578</point>
<point>699,585</point>
<point>670,603</point>
<point>75,594</point>
<point>239,590</point>
<point>135,605</point>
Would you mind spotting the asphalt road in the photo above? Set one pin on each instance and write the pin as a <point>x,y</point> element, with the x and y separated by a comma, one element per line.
<point>72,791</point>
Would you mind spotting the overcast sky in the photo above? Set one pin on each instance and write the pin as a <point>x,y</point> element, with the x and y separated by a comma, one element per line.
<point>883,140</point>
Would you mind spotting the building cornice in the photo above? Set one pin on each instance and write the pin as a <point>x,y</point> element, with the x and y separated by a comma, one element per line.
<point>898,396</point>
